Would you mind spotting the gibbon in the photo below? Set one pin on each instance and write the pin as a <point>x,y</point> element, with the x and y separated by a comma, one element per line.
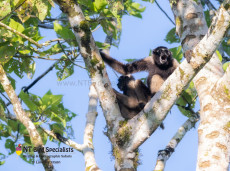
<point>160,65</point>
<point>135,95</point>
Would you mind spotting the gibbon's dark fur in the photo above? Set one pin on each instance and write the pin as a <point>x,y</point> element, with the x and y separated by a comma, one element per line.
<point>159,66</point>
<point>135,95</point>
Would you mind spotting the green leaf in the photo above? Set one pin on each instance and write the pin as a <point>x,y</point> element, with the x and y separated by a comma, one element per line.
<point>42,7</point>
<point>7,53</point>
<point>207,17</point>
<point>65,68</point>
<point>57,128</point>
<point>88,3</point>
<point>43,135</point>
<point>55,49</point>
<point>171,37</point>
<point>64,32</point>
<point>24,52</point>
<point>4,8</point>
<point>2,162</point>
<point>225,66</point>
<point>138,7</point>
<point>5,131</point>
<point>9,144</point>
<point>57,118</point>
<point>13,124</point>
<point>219,55</point>
<point>28,156</point>
<point>130,60</point>
<point>225,45</point>
<point>177,53</point>
<point>187,99</point>
<point>50,99</point>
<point>100,4</point>
<point>101,45</point>
<point>17,26</point>
<point>27,100</point>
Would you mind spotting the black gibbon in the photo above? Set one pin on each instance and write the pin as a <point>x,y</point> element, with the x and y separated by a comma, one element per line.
<point>159,66</point>
<point>135,95</point>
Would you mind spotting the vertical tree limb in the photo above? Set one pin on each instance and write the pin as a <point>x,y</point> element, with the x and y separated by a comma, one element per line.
<point>86,148</point>
<point>213,136</point>
<point>94,63</point>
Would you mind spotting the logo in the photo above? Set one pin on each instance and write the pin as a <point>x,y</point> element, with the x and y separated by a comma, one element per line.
<point>19,149</point>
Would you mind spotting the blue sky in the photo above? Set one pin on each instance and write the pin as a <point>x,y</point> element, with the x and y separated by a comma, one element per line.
<point>138,37</point>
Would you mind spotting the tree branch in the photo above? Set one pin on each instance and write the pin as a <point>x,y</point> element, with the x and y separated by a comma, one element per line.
<point>163,155</point>
<point>214,103</point>
<point>22,35</point>
<point>94,64</point>
<point>76,146</point>
<point>165,13</point>
<point>87,147</point>
<point>156,110</point>
<point>88,150</point>
<point>24,119</point>
<point>13,10</point>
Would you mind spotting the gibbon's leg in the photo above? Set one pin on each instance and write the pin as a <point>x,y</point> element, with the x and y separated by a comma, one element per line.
<point>125,104</point>
<point>129,100</point>
<point>142,92</point>
<point>156,83</point>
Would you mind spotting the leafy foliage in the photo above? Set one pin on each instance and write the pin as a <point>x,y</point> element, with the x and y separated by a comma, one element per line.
<point>48,108</point>
<point>177,53</point>
<point>171,37</point>
<point>65,68</point>
<point>9,144</point>
<point>225,66</point>
<point>207,17</point>
<point>187,100</point>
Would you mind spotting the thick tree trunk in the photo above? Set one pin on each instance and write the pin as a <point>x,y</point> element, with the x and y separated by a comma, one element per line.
<point>214,137</point>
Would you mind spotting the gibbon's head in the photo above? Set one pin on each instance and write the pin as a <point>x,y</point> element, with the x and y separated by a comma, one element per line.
<point>162,56</point>
<point>123,81</point>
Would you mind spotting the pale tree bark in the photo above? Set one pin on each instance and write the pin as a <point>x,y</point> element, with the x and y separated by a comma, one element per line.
<point>87,148</point>
<point>211,83</point>
<point>25,120</point>
<point>163,155</point>
<point>127,136</point>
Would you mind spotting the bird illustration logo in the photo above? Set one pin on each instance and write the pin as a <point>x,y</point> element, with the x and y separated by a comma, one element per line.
<point>19,149</point>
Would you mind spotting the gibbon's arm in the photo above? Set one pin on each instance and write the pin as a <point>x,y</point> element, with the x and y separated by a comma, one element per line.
<point>124,69</point>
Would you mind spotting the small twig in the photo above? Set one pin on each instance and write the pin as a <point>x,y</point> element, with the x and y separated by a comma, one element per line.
<point>38,57</point>
<point>13,10</point>
<point>26,88</point>
<point>210,5</point>
<point>50,41</point>
<point>96,28</point>
<point>63,50</point>
<point>5,97</point>
<point>46,26</point>
<point>16,139</point>
<point>22,35</point>
<point>165,13</point>
<point>78,147</point>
